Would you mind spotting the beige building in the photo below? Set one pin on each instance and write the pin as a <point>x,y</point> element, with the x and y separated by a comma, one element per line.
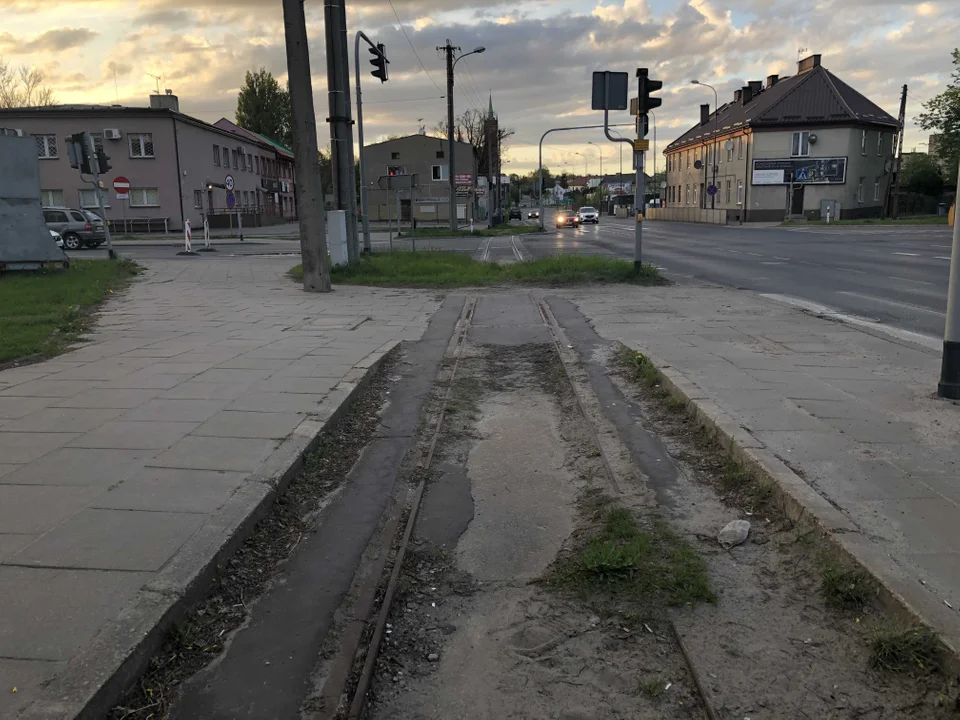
<point>794,146</point>
<point>426,157</point>
<point>176,165</point>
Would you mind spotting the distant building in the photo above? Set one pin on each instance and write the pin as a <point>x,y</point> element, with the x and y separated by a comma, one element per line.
<point>426,157</point>
<point>793,146</point>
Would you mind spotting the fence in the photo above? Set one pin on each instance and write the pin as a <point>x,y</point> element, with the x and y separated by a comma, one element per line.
<point>688,214</point>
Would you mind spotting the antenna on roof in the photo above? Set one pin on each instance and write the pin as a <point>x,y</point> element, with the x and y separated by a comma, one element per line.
<point>158,78</point>
<point>800,52</point>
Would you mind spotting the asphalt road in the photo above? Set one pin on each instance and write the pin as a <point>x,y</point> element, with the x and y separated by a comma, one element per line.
<point>895,275</point>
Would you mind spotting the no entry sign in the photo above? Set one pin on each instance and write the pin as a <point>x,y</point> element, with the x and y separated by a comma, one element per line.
<point>122,187</point>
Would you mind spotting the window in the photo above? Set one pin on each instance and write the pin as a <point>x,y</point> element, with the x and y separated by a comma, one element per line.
<point>740,147</point>
<point>688,158</point>
<point>88,199</point>
<point>686,194</point>
<point>394,156</point>
<point>216,155</point>
<point>439,154</point>
<point>141,145</point>
<point>46,146</point>
<point>144,197</point>
<point>863,142</point>
<point>729,151</point>
<point>669,163</point>
<point>234,154</point>
<point>51,198</point>
<point>729,183</point>
<point>256,164</point>
<point>739,192</point>
<point>879,144</point>
<point>246,198</point>
<point>54,216</point>
<point>249,163</point>
<point>696,194</point>
<point>860,191</point>
<point>801,144</point>
<point>438,172</point>
<point>198,198</point>
<point>876,190</point>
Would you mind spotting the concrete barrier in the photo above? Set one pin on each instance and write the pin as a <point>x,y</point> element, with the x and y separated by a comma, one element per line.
<point>25,241</point>
<point>688,214</point>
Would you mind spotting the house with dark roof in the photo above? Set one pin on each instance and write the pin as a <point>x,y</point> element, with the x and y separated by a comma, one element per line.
<point>791,147</point>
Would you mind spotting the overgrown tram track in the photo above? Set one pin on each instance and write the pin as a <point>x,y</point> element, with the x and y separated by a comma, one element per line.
<point>352,708</point>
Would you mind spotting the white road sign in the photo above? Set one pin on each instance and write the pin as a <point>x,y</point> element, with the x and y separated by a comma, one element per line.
<point>228,182</point>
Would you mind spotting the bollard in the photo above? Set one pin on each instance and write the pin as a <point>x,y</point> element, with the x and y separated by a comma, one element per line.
<point>187,237</point>
<point>206,237</point>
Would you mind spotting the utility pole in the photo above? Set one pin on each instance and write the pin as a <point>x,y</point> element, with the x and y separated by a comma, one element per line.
<point>340,120</point>
<point>313,240</point>
<point>898,159</point>
<point>949,386</point>
<point>449,50</point>
<point>380,63</point>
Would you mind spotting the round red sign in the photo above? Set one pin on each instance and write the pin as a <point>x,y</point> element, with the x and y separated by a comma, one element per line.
<point>121,184</point>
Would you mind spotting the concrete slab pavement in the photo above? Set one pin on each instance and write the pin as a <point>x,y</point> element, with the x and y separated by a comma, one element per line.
<point>129,463</point>
<point>852,413</point>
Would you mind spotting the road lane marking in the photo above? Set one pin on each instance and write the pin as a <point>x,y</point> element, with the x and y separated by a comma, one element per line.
<point>940,257</point>
<point>909,306</point>
<point>908,254</point>
<point>755,254</point>
<point>921,282</point>
<point>927,341</point>
<point>858,272</point>
<point>772,262</point>
<point>735,252</point>
<point>777,257</point>
<point>486,250</point>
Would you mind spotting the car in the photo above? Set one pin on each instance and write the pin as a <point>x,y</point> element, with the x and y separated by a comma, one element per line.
<point>78,228</point>
<point>567,219</point>
<point>56,238</point>
<point>533,215</point>
<point>589,215</point>
<point>515,214</point>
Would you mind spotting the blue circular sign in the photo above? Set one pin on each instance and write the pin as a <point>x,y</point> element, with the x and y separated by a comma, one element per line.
<point>231,200</point>
<point>712,190</point>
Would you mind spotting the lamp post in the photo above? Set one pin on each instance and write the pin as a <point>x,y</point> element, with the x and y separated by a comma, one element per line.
<point>600,184</point>
<point>716,132</point>
<point>620,176</point>
<point>584,163</point>
<point>451,65</point>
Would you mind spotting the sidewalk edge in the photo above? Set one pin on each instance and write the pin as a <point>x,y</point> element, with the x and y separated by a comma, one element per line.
<point>903,597</point>
<point>96,679</point>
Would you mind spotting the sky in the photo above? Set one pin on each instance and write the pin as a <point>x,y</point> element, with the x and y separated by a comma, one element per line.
<point>538,63</point>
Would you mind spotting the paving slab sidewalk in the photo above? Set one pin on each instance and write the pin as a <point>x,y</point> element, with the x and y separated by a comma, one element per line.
<point>851,411</point>
<point>125,463</point>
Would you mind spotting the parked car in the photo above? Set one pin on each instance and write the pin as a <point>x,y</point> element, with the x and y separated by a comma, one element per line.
<point>568,219</point>
<point>515,214</point>
<point>56,238</point>
<point>78,228</point>
<point>589,215</point>
<point>533,215</point>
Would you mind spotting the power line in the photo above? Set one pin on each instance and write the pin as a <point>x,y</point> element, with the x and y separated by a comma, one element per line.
<point>468,95</point>
<point>403,30</point>
<point>473,81</point>
<point>378,102</point>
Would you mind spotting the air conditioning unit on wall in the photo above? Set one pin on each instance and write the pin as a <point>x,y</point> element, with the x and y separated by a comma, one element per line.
<point>111,134</point>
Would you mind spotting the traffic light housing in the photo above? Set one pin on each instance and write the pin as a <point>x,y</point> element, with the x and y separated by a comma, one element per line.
<point>78,149</point>
<point>647,86</point>
<point>103,160</point>
<point>379,62</point>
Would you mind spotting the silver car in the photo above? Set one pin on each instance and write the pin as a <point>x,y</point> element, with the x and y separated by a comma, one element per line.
<point>589,215</point>
<point>78,228</point>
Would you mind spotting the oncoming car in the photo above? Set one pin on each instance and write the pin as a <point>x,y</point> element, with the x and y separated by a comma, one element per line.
<point>515,214</point>
<point>567,219</point>
<point>533,215</point>
<point>589,215</point>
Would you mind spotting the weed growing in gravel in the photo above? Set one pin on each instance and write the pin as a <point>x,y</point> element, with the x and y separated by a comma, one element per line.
<point>651,686</point>
<point>643,369</point>
<point>845,588</point>
<point>649,565</point>
<point>910,650</point>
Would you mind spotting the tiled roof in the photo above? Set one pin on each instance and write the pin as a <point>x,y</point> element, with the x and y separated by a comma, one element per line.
<point>817,97</point>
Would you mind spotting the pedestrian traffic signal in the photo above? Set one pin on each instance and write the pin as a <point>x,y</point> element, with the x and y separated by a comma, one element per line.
<point>648,86</point>
<point>379,62</point>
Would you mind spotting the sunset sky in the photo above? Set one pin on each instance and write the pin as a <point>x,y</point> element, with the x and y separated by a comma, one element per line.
<point>539,59</point>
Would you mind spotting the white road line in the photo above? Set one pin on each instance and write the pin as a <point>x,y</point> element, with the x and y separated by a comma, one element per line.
<point>486,251</point>
<point>772,262</point>
<point>858,272</point>
<point>516,250</point>
<point>777,257</point>
<point>940,257</point>
<point>755,254</point>
<point>735,252</point>
<point>919,282</point>
<point>927,341</point>
<point>908,254</point>
<point>909,306</point>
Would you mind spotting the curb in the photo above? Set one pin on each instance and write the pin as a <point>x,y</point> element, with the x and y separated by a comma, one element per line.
<point>901,596</point>
<point>96,679</point>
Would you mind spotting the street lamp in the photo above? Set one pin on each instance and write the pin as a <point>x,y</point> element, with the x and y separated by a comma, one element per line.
<point>600,184</point>
<point>716,132</point>
<point>451,64</point>
<point>584,164</point>
<point>620,178</point>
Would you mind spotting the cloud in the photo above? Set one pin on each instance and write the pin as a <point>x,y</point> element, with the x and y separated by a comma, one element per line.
<point>50,41</point>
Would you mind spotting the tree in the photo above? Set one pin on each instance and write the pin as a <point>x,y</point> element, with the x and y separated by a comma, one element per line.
<point>263,106</point>
<point>922,174</point>
<point>23,87</point>
<point>943,115</point>
<point>468,128</point>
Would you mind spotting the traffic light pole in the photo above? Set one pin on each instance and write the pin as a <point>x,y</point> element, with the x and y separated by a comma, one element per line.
<point>103,213</point>
<point>637,189</point>
<point>949,386</point>
<point>364,212</point>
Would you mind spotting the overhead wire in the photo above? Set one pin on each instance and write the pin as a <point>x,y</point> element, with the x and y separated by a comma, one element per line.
<point>403,30</point>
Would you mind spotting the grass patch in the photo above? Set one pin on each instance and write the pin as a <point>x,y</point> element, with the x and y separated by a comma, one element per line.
<point>640,367</point>
<point>495,231</point>
<point>436,269</point>
<point>43,312</point>
<point>651,687</point>
<point>845,588</point>
<point>650,566</point>
<point>923,220</point>
<point>912,650</point>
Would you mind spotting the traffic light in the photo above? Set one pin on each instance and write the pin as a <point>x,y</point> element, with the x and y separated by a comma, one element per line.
<point>103,160</point>
<point>379,62</point>
<point>78,149</point>
<point>647,86</point>
<point>643,125</point>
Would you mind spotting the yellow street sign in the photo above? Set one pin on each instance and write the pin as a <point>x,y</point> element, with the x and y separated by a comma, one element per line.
<point>642,144</point>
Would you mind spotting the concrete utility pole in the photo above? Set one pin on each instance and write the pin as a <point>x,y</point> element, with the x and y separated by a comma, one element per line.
<point>898,158</point>
<point>949,386</point>
<point>341,130</point>
<point>313,240</point>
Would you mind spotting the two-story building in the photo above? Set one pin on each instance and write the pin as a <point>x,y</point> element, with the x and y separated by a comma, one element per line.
<point>792,147</point>
<point>176,165</point>
<point>396,161</point>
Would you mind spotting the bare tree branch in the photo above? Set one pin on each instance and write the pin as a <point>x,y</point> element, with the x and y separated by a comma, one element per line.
<point>23,87</point>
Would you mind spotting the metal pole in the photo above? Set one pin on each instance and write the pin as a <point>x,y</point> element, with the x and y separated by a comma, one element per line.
<point>899,156</point>
<point>949,386</point>
<point>389,217</point>
<point>451,165</point>
<point>364,210</point>
<point>716,132</point>
<point>638,204</point>
<point>103,213</point>
<point>313,240</point>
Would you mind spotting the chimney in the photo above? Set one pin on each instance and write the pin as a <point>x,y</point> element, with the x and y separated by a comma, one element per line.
<point>736,95</point>
<point>772,80</point>
<point>169,101</point>
<point>755,87</point>
<point>808,64</point>
<point>746,94</point>
<point>704,113</point>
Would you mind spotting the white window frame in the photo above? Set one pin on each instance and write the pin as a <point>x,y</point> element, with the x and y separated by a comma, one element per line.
<point>800,144</point>
<point>48,198</point>
<point>51,150</point>
<point>730,152</point>
<point>91,202</point>
<point>740,147</point>
<point>216,156</point>
<point>860,192</point>
<point>879,144</point>
<point>739,192</point>
<point>140,194</point>
<point>876,190</point>
<point>729,187</point>
<point>439,173</point>
<point>141,140</point>
<point>863,142</point>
